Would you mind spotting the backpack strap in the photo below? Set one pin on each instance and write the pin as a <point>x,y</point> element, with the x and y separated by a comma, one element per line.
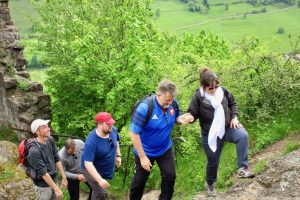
<point>150,108</point>
<point>175,105</point>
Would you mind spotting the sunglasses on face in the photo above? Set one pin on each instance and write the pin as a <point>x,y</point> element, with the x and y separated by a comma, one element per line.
<point>213,88</point>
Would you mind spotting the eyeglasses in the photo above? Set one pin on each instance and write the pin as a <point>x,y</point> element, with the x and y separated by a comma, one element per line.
<point>213,88</point>
<point>111,142</point>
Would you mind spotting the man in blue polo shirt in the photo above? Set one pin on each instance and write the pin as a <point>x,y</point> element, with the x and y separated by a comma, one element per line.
<point>152,142</point>
<point>100,154</point>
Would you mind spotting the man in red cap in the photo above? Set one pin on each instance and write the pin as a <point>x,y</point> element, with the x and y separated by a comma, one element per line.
<point>100,155</point>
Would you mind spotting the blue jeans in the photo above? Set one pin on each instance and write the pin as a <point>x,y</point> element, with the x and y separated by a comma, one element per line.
<point>237,136</point>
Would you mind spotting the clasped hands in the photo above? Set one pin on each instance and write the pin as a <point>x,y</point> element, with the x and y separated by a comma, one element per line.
<point>185,119</point>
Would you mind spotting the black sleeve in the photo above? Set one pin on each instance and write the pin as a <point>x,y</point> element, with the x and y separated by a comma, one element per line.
<point>54,149</point>
<point>231,103</point>
<point>194,107</point>
<point>36,161</point>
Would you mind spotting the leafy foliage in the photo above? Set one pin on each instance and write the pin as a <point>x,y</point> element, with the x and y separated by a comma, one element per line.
<point>104,55</point>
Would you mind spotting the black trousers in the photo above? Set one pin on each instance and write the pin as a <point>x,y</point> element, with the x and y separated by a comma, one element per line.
<point>166,163</point>
<point>73,188</point>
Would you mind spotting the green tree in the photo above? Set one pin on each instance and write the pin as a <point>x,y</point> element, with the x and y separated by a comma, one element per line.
<point>157,12</point>
<point>280,30</point>
<point>226,6</point>
<point>104,55</point>
<point>191,6</point>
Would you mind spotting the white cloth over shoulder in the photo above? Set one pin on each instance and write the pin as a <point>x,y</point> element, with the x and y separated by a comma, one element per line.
<point>217,128</point>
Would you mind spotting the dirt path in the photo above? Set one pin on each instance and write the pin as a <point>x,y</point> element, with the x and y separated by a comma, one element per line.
<point>251,188</point>
<point>229,17</point>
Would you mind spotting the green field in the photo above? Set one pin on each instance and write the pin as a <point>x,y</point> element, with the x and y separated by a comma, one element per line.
<point>175,17</point>
<point>21,12</point>
<point>38,75</point>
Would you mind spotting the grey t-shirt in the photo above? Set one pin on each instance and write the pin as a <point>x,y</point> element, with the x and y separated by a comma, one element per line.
<point>71,163</point>
<point>42,158</point>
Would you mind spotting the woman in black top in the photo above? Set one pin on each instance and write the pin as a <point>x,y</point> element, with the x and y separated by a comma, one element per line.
<point>216,109</point>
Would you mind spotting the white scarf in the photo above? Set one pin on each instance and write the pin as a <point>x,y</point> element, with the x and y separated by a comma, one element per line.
<point>217,128</point>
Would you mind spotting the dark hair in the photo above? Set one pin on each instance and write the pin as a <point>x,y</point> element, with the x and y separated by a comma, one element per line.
<point>70,143</point>
<point>207,77</point>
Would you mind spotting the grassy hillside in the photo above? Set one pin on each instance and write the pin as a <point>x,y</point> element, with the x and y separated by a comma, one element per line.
<point>20,11</point>
<point>175,17</point>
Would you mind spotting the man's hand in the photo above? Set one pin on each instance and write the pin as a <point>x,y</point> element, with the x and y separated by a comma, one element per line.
<point>103,184</point>
<point>146,164</point>
<point>235,123</point>
<point>118,161</point>
<point>64,183</point>
<point>81,178</point>
<point>58,193</point>
<point>185,119</point>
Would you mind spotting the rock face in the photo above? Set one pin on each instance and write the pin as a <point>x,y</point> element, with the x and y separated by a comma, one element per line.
<point>13,182</point>
<point>8,154</point>
<point>280,180</point>
<point>21,100</point>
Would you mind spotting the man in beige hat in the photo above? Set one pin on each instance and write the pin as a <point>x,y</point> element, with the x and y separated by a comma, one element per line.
<point>43,159</point>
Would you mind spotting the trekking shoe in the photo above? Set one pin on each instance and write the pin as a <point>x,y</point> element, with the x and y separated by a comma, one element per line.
<point>210,189</point>
<point>244,172</point>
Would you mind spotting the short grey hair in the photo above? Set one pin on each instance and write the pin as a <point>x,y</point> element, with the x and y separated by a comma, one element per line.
<point>167,86</point>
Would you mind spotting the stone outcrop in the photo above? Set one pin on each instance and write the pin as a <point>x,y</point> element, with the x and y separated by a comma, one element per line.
<point>13,182</point>
<point>280,180</point>
<point>21,100</point>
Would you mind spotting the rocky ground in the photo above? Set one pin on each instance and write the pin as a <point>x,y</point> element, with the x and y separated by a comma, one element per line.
<point>279,180</point>
<point>14,185</point>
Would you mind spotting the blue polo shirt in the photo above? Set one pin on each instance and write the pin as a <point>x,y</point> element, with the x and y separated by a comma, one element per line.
<point>155,135</point>
<point>101,152</point>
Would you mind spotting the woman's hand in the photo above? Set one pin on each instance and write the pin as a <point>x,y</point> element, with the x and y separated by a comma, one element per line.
<point>185,119</point>
<point>235,123</point>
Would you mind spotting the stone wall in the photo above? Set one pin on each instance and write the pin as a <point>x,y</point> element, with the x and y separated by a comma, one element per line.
<point>21,100</point>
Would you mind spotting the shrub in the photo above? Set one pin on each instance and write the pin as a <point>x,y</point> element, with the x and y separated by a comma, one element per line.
<point>197,8</point>
<point>157,12</point>
<point>35,63</point>
<point>280,30</point>
<point>226,6</point>
<point>263,10</point>
<point>191,6</point>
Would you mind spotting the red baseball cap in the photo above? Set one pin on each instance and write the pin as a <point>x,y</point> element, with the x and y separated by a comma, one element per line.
<point>105,117</point>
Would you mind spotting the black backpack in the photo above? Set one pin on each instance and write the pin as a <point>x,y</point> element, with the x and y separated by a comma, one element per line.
<point>149,98</point>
